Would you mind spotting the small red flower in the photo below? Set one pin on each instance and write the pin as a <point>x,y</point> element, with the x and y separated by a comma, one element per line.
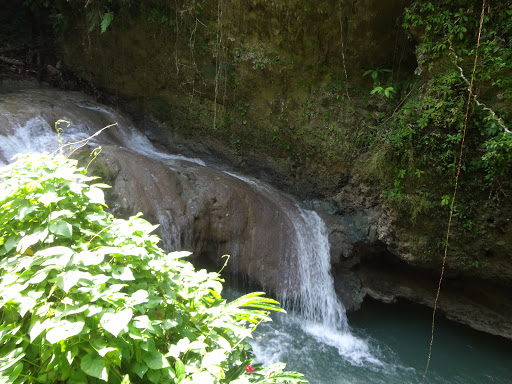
<point>249,369</point>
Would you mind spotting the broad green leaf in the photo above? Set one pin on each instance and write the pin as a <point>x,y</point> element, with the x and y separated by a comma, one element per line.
<point>94,310</point>
<point>141,322</point>
<point>106,19</point>
<point>29,301</point>
<point>214,357</point>
<point>10,359</point>
<point>24,211</point>
<point>168,324</point>
<point>221,341</point>
<point>62,228</point>
<point>139,297</point>
<point>14,290</point>
<point>71,354</point>
<point>59,261</point>
<point>11,242</point>
<point>115,322</point>
<point>95,196</point>
<point>98,279</point>
<point>64,212</point>
<point>39,276</point>
<point>123,273</point>
<point>15,373</point>
<point>70,309</point>
<point>179,368</point>
<point>28,241</point>
<point>180,347</point>
<point>140,369</point>
<point>94,366</point>
<point>203,377</point>
<point>198,346</point>
<point>88,258</point>
<point>178,255</point>
<point>154,376</point>
<point>235,372</point>
<point>64,330</point>
<point>54,251</point>
<point>68,280</point>
<point>155,360</point>
<point>103,351</point>
<point>237,329</point>
<point>8,331</point>
<point>8,280</point>
<point>49,197</point>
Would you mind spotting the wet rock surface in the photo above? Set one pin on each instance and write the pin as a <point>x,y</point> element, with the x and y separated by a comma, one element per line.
<point>212,213</point>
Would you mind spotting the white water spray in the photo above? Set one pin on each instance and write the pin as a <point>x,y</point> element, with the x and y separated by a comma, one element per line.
<point>307,291</point>
<point>321,314</point>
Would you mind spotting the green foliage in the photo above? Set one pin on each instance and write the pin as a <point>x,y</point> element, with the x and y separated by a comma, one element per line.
<point>387,92</point>
<point>376,74</point>
<point>426,131</point>
<point>448,32</point>
<point>418,147</point>
<point>87,298</point>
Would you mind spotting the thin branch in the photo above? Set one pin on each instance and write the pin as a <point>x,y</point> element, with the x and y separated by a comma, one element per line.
<point>495,117</point>
<point>82,142</point>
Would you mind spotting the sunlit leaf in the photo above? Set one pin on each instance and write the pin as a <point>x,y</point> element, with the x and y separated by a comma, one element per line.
<point>64,330</point>
<point>68,280</point>
<point>95,195</point>
<point>123,273</point>
<point>115,322</point>
<point>62,228</point>
<point>140,369</point>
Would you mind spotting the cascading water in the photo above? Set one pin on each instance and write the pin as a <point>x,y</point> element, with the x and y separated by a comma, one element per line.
<point>314,337</point>
<point>315,300</point>
<point>321,314</point>
<point>308,289</point>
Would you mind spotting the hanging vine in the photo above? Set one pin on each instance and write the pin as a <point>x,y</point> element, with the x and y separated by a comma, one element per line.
<point>452,205</point>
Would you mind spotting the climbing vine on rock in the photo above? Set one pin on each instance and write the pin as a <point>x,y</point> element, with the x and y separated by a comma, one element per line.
<point>421,139</point>
<point>446,34</point>
<point>426,129</point>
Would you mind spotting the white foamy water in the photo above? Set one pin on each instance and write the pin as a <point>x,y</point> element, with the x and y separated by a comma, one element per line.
<point>133,138</point>
<point>307,289</point>
<point>244,179</point>
<point>316,298</point>
<point>36,136</point>
<point>139,143</point>
<point>311,297</point>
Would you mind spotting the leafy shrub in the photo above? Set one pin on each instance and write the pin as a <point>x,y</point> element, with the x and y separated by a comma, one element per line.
<point>447,33</point>
<point>87,298</point>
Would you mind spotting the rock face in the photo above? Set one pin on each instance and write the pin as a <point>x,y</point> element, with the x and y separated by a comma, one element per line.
<point>207,211</point>
<point>278,80</point>
<point>213,212</point>
<point>380,265</point>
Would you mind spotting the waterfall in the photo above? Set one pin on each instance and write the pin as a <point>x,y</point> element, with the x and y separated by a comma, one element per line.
<point>306,289</point>
<point>316,298</point>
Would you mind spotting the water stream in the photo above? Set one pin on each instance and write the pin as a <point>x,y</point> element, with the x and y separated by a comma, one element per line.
<point>381,345</point>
